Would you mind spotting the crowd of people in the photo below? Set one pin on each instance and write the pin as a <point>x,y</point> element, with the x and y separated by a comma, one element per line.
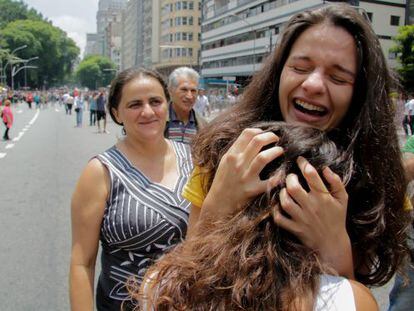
<point>279,203</point>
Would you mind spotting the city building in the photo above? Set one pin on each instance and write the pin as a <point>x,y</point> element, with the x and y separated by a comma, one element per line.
<point>109,29</point>
<point>179,45</point>
<point>132,34</point>
<point>91,47</point>
<point>238,34</point>
<point>140,36</point>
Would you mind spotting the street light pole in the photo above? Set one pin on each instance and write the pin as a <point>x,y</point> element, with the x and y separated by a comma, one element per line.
<point>8,61</point>
<point>26,61</point>
<point>254,38</point>
<point>14,72</point>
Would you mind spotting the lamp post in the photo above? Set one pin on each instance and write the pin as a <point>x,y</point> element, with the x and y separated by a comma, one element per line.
<point>15,72</point>
<point>254,38</point>
<point>9,60</point>
<point>26,61</point>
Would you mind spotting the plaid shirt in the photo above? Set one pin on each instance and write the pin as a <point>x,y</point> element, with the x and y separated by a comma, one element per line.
<point>177,130</point>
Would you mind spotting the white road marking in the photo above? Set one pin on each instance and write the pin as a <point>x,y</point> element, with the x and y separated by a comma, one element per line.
<point>9,146</point>
<point>18,136</point>
<point>34,118</point>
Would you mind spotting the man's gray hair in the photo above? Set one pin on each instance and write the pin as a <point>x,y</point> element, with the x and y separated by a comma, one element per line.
<point>182,72</point>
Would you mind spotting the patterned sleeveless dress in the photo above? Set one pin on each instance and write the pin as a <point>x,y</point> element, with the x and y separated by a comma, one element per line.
<point>142,220</point>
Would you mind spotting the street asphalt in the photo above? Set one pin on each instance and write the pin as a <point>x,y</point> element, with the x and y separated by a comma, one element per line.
<point>38,170</point>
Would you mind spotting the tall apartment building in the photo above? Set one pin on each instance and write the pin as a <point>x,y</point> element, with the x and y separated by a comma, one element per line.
<point>140,37</point>
<point>91,47</point>
<point>238,34</point>
<point>179,45</point>
<point>109,29</point>
<point>132,32</point>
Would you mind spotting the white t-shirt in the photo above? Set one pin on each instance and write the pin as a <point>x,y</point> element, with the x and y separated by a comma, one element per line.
<point>335,294</point>
<point>409,107</point>
<point>201,104</point>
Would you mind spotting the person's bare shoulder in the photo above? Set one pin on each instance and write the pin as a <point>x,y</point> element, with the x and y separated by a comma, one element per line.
<point>93,183</point>
<point>364,300</point>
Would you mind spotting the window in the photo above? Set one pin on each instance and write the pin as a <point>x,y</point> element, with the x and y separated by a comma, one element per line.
<point>190,36</point>
<point>369,14</point>
<point>177,21</point>
<point>184,36</point>
<point>395,20</point>
<point>190,51</point>
<point>185,7</point>
<point>184,20</point>
<point>178,51</point>
<point>191,5</point>
<point>184,52</point>
<point>178,5</point>
<point>190,20</point>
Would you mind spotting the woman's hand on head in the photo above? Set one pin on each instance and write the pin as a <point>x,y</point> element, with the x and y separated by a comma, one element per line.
<point>237,178</point>
<point>318,217</point>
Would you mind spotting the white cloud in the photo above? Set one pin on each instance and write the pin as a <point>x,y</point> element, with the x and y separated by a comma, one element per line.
<point>75,17</point>
<point>75,28</point>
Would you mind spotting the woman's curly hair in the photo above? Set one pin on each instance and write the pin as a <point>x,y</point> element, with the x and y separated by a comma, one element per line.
<point>247,262</point>
<point>376,221</point>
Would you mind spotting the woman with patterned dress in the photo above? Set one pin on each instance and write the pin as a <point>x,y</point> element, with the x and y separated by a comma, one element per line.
<point>128,197</point>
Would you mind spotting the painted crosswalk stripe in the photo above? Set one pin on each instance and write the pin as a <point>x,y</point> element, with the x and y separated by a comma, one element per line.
<point>9,146</point>
<point>2,155</point>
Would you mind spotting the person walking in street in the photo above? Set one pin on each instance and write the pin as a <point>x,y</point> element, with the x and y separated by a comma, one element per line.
<point>128,197</point>
<point>202,106</point>
<point>408,121</point>
<point>69,103</point>
<point>183,121</point>
<point>37,100</point>
<point>79,104</point>
<point>329,72</point>
<point>29,99</point>
<point>7,116</point>
<point>101,111</point>
<point>92,108</point>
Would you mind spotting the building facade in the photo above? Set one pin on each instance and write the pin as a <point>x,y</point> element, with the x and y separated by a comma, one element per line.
<point>91,47</point>
<point>180,35</point>
<point>238,34</point>
<point>109,29</point>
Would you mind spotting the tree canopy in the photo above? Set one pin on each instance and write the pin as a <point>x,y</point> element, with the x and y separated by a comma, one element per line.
<point>56,52</point>
<point>16,10</point>
<point>95,71</point>
<point>405,54</point>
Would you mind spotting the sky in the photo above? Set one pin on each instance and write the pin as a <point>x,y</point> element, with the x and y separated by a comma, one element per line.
<point>75,17</point>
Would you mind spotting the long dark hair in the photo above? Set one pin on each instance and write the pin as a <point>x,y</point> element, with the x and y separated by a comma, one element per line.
<point>246,262</point>
<point>375,218</point>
